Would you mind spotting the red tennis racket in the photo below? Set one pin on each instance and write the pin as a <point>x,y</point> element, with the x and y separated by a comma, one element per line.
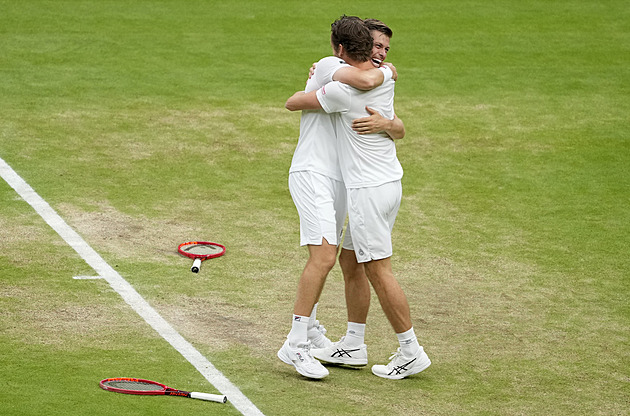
<point>152,388</point>
<point>200,251</point>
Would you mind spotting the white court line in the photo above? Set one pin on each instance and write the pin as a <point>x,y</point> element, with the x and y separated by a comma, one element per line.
<point>128,293</point>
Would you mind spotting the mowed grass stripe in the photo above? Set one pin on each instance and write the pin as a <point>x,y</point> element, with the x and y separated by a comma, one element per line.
<point>150,123</point>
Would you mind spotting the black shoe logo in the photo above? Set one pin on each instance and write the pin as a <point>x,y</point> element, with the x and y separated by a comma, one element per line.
<point>399,369</point>
<point>343,353</point>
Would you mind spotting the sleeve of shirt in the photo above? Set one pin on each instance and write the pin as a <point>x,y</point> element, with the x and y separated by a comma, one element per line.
<point>334,97</point>
<point>326,68</point>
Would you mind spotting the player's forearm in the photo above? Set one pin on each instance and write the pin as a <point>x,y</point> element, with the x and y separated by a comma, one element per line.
<point>395,128</point>
<point>360,78</point>
<point>303,101</point>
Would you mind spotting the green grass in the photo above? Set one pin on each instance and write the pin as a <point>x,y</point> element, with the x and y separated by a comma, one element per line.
<point>148,123</point>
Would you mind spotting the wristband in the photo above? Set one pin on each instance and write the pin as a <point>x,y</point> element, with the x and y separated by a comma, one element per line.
<point>387,72</point>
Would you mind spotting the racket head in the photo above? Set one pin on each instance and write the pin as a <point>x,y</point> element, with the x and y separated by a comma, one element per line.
<point>129,385</point>
<point>202,250</point>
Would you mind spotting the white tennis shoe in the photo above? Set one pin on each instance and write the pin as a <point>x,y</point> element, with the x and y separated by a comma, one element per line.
<point>401,366</point>
<point>317,336</point>
<point>340,353</point>
<point>301,358</point>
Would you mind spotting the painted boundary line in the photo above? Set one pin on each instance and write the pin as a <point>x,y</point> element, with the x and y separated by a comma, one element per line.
<point>128,293</point>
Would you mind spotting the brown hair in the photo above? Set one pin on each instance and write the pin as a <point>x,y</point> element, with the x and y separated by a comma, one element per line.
<point>353,35</point>
<point>373,24</point>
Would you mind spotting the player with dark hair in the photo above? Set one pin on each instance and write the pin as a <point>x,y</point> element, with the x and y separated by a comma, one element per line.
<point>372,176</point>
<point>317,189</point>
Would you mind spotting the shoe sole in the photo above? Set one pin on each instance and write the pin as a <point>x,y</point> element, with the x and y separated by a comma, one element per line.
<point>423,366</point>
<point>332,360</point>
<point>349,361</point>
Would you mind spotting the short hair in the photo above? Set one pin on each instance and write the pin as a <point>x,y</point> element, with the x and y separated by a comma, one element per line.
<point>353,35</point>
<point>374,24</point>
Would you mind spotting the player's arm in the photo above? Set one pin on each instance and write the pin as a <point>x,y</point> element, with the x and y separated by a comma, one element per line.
<point>334,97</point>
<point>376,123</point>
<point>369,80</point>
<point>362,79</point>
<point>365,79</point>
<point>303,101</point>
<point>396,129</point>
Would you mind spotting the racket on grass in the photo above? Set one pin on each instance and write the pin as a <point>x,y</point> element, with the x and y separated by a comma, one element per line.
<point>152,388</point>
<point>200,251</point>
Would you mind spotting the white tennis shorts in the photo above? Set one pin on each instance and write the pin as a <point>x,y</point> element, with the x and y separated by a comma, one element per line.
<point>321,205</point>
<point>372,212</point>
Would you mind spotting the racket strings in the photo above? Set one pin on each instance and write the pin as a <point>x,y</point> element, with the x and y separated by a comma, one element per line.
<point>133,385</point>
<point>202,249</point>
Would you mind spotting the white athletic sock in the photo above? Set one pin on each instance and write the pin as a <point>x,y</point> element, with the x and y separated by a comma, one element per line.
<point>409,345</point>
<point>299,329</point>
<point>312,319</point>
<point>355,335</point>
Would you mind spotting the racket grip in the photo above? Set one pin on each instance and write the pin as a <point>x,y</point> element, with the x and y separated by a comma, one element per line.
<point>196,265</point>
<point>219,398</point>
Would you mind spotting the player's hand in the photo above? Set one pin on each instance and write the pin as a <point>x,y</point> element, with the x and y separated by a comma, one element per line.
<point>311,71</point>
<point>393,68</point>
<point>374,123</point>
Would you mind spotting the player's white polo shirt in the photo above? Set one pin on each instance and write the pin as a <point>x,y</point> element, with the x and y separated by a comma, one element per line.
<point>369,159</point>
<point>370,168</point>
<point>316,150</point>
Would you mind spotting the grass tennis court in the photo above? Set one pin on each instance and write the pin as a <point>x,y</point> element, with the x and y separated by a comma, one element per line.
<point>145,124</point>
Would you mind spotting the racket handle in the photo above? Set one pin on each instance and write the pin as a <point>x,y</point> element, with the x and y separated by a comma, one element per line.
<point>219,398</point>
<point>196,265</point>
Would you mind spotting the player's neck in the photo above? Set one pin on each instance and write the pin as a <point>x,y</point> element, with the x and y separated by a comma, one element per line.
<point>361,65</point>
